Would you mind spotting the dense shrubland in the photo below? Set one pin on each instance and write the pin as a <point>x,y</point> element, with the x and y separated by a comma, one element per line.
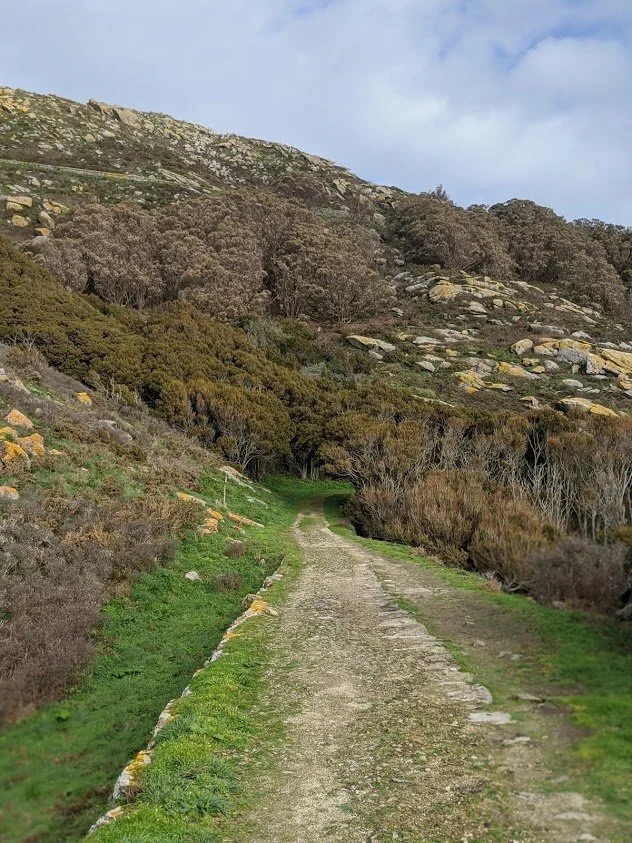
<point>230,255</point>
<point>527,500</point>
<point>589,261</point>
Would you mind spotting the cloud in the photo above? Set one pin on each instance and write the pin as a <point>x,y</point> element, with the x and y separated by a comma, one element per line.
<point>493,99</point>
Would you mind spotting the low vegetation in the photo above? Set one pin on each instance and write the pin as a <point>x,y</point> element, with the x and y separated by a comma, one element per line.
<point>148,642</point>
<point>526,500</point>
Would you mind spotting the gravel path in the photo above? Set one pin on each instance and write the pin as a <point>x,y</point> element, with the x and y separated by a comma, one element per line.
<point>385,737</point>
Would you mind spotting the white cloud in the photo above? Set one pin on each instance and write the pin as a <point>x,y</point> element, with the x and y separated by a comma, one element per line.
<point>495,99</point>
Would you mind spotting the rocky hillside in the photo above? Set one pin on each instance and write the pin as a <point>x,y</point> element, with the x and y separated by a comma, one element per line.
<point>459,338</point>
<point>55,153</point>
<point>449,335</point>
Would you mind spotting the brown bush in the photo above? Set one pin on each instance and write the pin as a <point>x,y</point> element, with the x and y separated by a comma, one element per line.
<point>433,230</point>
<point>236,550</point>
<point>228,581</point>
<point>59,561</point>
<point>580,573</point>
<point>442,512</point>
<point>508,535</point>
<point>216,253</point>
<point>446,507</point>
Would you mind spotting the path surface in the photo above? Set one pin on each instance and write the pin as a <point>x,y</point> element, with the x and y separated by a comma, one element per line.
<point>380,739</point>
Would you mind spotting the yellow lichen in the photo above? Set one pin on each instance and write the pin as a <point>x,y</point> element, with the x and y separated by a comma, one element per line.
<point>18,419</point>
<point>10,453</point>
<point>33,445</point>
<point>243,520</point>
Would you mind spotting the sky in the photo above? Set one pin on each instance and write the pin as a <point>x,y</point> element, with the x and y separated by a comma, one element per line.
<point>494,99</point>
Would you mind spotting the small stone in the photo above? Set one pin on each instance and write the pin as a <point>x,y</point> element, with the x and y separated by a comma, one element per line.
<point>83,398</point>
<point>192,576</point>
<point>444,291</point>
<point>519,741</point>
<point>366,343</point>
<point>490,718</point>
<point>20,201</point>
<point>572,384</point>
<point>185,496</point>
<point>522,347</point>
<point>426,365</point>
<point>8,493</point>
<point>19,221</point>
<point>33,444</point>
<point>397,311</point>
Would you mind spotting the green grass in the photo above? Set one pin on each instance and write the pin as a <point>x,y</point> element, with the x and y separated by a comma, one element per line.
<point>191,786</point>
<point>57,766</point>
<point>588,657</point>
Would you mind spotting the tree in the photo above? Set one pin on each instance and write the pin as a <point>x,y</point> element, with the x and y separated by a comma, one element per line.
<point>250,428</point>
<point>548,250</point>
<point>432,229</point>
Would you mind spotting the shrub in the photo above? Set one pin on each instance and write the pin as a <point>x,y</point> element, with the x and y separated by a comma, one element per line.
<point>445,509</point>
<point>228,581</point>
<point>508,535</point>
<point>433,230</point>
<point>580,573</point>
<point>236,550</point>
<point>216,253</point>
<point>59,561</point>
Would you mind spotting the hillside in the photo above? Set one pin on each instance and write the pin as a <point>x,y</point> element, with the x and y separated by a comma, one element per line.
<point>314,493</point>
<point>77,152</point>
<point>449,334</point>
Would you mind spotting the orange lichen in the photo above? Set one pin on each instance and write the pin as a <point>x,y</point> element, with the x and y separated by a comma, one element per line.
<point>230,635</point>
<point>243,520</point>
<point>209,526</point>
<point>18,419</point>
<point>9,493</point>
<point>33,445</point>
<point>83,398</point>
<point>185,496</point>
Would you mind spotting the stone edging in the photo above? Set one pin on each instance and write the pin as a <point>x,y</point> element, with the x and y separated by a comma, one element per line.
<point>128,776</point>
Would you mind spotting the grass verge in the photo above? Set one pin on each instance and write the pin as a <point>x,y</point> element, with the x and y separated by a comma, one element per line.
<point>191,786</point>
<point>58,765</point>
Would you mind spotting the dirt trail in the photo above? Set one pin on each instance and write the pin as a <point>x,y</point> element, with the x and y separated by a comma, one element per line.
<point>382,740</point>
